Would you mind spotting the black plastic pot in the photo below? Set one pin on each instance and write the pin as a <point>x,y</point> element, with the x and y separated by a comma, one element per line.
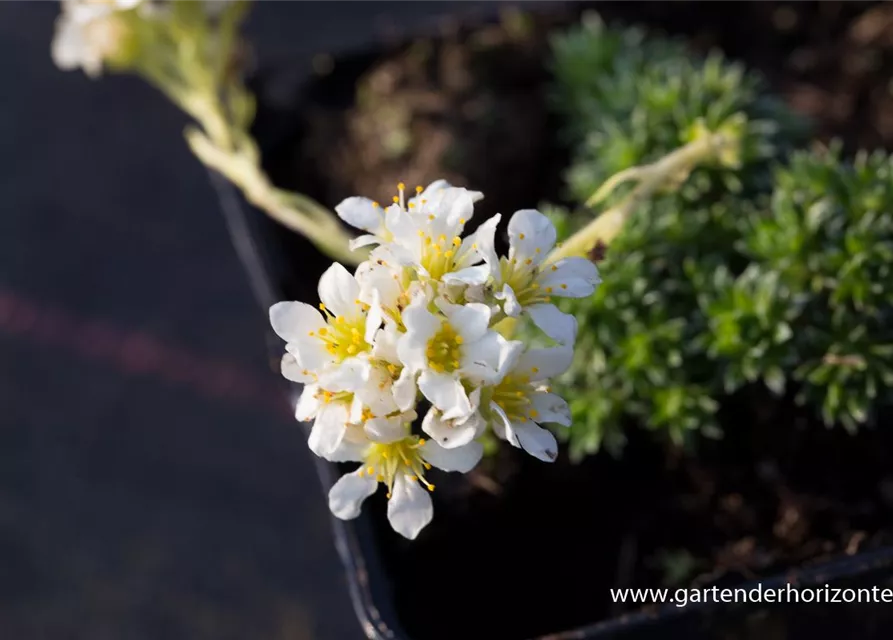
<point>283,266</point>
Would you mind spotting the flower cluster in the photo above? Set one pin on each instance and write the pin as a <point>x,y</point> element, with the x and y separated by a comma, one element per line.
<point>426,322</point>
<point>92,33</point>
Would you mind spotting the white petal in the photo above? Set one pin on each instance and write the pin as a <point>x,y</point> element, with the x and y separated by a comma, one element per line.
<point>468,275</point>
<point>532,236</point>
<point>374,318</point>
<point>480,360</point>
<point>509,355</point>
<point>350,451</point>
<point>349,375</point>
<point>362,214</point>
<point>469,320</point>
<point>409,508</point>
<point>446,393</point>
<point>561,327</point>
<point>541,364</point>
<point>380,275</point>
<point>291,370</point>
<point>310,353</point>
<point>529,436</point>
<point>571,278</point>
<point>481,245</point>
<point>439,185</point>
<point>404,390</point>
<point>293,321</point>
<point>447,433</point>
<point>501,423</point>
<point>363,241</point>
<point>355,410</point>
<point>450,207</point>
<point>551,408</point>
<point>308,403</point>
<point>386,430</point>
<point>377,393</point>
<point>328,429</point>
<point>421,325</point>
<point>339,291</point>
<point>462,459</point>
<point>384,346</point>
<point>510,304</point>
<point>347,495</point>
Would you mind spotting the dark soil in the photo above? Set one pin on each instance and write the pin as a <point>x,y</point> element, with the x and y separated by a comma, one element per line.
<point>523,548</point>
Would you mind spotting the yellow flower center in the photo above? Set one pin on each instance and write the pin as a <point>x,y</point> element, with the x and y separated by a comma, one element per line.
<point>385,462</point>
<point>439,254</point>
<point>521,277</point>
<point>513,397</point>
<point>327,397</point>
<point>343,337</point>
<point>443,349</point>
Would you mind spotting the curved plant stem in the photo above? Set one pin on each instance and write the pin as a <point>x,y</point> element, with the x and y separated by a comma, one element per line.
<point>188,64</point>
<point>672,168</point>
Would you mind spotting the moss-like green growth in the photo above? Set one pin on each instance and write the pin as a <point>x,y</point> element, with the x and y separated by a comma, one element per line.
<point>773,270</point>
<point>827,247</point>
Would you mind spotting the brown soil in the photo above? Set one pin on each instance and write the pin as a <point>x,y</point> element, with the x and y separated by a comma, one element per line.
<point>524,548</point>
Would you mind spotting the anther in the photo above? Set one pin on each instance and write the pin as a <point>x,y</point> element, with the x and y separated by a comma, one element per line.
<point>521,236</point>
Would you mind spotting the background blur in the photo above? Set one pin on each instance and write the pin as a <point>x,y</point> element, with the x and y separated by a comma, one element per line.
<point>152,481</point>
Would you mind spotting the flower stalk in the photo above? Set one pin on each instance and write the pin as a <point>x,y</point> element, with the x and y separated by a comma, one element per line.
<point>187,51</point>
<point>672,169</point>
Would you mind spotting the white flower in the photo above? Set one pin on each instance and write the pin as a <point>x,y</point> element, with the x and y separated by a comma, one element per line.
<point>520,400</point>
<point>457,432</point>
<point>425,232</point>
<point>391,387</point>
<point>335,416</point>
<point>386,284</point>
<point>421,319</point>
<point>399,461</point>
<point>448,349</point>
<point>330,350</point>
<point>88,33</point>
<point>525,283</point>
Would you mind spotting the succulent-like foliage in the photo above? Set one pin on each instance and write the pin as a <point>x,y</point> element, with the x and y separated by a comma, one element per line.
<point>629,98</point>
<point>648,348</point>
<point>775,269</point>
<point>828,242</point>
